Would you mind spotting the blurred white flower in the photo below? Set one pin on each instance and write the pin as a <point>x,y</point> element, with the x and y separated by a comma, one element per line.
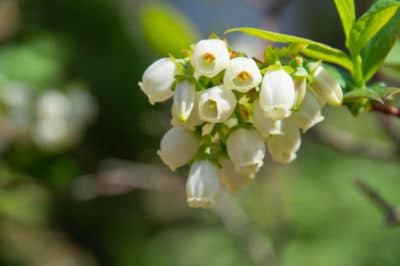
<point>309,113</point>
<point>216,104</point>
<point>283,148</point>
<point>158,79</point>
<point>84,108</point>
<point>242,74</point>
<point>277,94</point>
<point>265,125</point>
<point>184,98</point>
<point>327,87</point>
<point>53,104</point>
<point>210,57</point>
<point>203,184</point>
<point>178,147</point>
<point>232,180</point>
<point>246,149</point>
<point>52,133</point>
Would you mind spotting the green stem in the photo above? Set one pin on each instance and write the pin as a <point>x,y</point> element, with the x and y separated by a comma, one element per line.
<point>358,73</point>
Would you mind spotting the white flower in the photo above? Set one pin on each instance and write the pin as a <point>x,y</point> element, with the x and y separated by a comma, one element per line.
<point>277,94</point>
<point>246,149</point>
<point>283,148</point>
<point>327,87</point>
<point>300,85</point>
<point>232,180</point>
<point>203,184</point>
<point>52,133</point>
<point>216,104</point>
<point>265,126</point>
<point>184,98</point>
<point>178,147</point>
<point>242,74</point>
<point>191,122</point>
<point>309,113</point>
<point>210,57</point>
<point>53,104</point>
<point>158,79</point>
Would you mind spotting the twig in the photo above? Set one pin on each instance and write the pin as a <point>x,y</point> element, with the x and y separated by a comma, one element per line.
<point>386,109</point>
<point>346,142</point>
<point>391,213</point>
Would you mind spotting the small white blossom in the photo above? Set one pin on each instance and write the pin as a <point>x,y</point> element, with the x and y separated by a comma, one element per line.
<point>246,149</point>
<point>53,105</point>
<point>242,74</point>
<point>53,133</point>
<point>327,87</point>
<point>283,148</point>
<point>191,122</point>
<point>216,104</point>
<point>184,98</point>
<point>210,57</point>
<point>158,79</point>
<point>277,94</point>
<point>300,85</point>
<point>265,126</point>
<point>232,180</point>
<point>309,113</point>
<point>178,147</point>
<point>203,184</point>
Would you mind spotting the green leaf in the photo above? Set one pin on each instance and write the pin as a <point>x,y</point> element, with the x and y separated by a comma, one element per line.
<point>380,94</point>
<point>371,23</point>
<point>347,14</point>
<point>314,49</point>
<point>393,57</point>
<point>379,47</point>
<point>166,29</point>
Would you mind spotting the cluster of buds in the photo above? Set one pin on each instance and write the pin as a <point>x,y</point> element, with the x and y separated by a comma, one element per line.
<point>229,110</point>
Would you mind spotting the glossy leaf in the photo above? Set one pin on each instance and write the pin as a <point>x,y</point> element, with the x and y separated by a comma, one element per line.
<point>370,24</point>
<point>347,14</point>
<point>378,48</point>
<point>314,49</point>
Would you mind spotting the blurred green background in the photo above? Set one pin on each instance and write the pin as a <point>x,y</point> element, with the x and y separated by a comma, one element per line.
<point>80,181</point>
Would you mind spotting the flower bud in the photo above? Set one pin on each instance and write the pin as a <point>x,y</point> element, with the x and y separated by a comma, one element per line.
<point>210,57</point>
<point>203,184</point>
<point>178,147</point>
<point>327,87</point>
<point>232,180</point>
<point>309,113</point>
<point>277,94</point>
<point>184,98</point>
<point>246,149</point>
<point>283,148</point>
<point>242,74</point>
<point>265,126</point>
<point>158,79</point>
<point>216,104</point>
<point>300,85</point>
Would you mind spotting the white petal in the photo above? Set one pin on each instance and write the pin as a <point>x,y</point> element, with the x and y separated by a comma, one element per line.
<point>216,104</point>
<point>309,113</point>
<point>210,57</point>
<point>232,180</point>
<point>192,121</point>
<point>203,184</point>
<point>178,147</point>
<point>242,74</point>
<point>283,148</point>
<point>158,79</point>
<point>327,87</point>
<point>184,98</point>
<point>265,126</point>
<point>277,94</point>
<point>246,149</point>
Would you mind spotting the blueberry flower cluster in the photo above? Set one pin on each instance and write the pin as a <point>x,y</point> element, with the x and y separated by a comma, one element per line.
<point>229,110</point>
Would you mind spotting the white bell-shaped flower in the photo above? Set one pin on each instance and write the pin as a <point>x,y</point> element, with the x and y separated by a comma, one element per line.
<point>216,104</point>
<point>246,149</point>
<point>277,95</point>
<point>178,147</point>
<point>309,113</point>
<point>265,125</point>
<point>158,79</point>
<point>210,57</point>
<point>232,180</point>
<point>203,184</point>
<point>300,85</point>
<point>53,104</point>
<point>184,99</point>
<point>242,74</point>
<point>191,122</point>
<point>327,87</point>
<point>283,148</point>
